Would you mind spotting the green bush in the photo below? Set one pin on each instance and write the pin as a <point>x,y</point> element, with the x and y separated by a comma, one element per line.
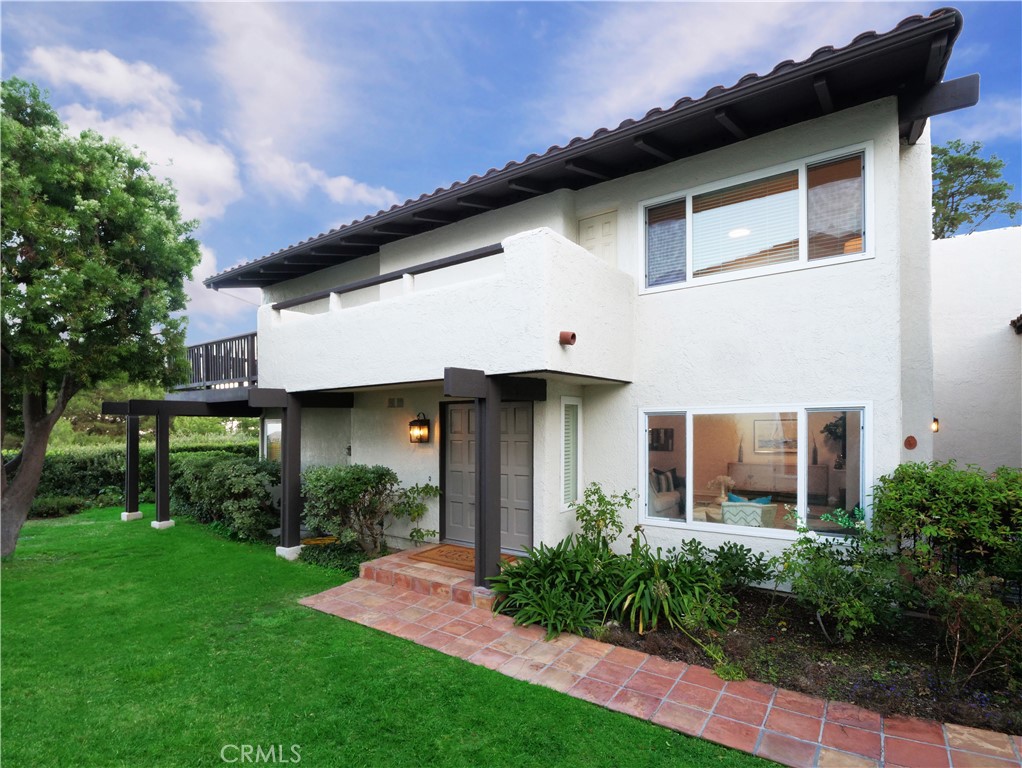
<point>954,520</point>
<point>599,515</point>
<point>226,490</point>
<point>854,583</point>
<point>337,555</point>
<point>982,634</point>
<point>683,592</point>
<point>57,506</point>
<point>353,502</point>
<point>564,588</point>
<point>96,472</point>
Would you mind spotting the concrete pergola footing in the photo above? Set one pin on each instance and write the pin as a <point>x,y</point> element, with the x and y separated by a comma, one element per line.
<point>161,524</point>
<point>126,516</point>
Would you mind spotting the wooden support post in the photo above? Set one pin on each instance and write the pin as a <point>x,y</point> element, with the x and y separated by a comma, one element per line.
<point>131,469</point>
<point>488,483</point>
<point>290,475</point>
<point>162,471</point>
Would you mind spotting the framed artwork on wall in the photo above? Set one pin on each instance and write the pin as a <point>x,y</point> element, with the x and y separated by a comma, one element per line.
<point>661,439</point>
<point>775,435</point>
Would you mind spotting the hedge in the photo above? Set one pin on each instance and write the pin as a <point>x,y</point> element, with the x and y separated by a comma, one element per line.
<point>97,471</point>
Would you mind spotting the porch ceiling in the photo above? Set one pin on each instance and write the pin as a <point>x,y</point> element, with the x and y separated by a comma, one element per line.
<point>907,62</point>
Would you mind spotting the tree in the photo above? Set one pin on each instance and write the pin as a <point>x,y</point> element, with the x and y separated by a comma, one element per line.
<point>94,256</point>
<point>967,189</point>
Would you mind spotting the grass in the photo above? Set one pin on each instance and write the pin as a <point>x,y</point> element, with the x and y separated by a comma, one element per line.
<point>128,646</point>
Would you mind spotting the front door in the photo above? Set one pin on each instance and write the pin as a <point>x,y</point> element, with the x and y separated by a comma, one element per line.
<point>515,475</point>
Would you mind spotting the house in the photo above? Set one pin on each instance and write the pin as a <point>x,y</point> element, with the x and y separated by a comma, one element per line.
<point>723,305</point>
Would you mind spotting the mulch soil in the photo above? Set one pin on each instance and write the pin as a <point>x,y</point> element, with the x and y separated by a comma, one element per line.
<point>901,671</point>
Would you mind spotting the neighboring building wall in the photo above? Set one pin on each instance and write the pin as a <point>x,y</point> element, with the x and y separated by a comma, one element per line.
<point>977,290</point>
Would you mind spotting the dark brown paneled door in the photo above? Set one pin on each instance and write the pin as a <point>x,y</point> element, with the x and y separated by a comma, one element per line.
<point>515,475</point>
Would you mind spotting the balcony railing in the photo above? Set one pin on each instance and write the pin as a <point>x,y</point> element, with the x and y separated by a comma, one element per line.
<point>231,362</point>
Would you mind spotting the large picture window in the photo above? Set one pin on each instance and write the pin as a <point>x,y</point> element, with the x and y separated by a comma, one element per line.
<point>773,469</point>
<point>784,218</point>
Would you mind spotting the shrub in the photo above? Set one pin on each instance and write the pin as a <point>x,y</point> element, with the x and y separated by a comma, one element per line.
<point>599,515</point>
<point>563,588</point>
<point>96,472</point>
<point>683,592</point>
<point>982,635</point>
<point>954,520</point>
<point>57,506</point>
<point>337,555</point>
<point>356,499</point>
<point>219,488</point>
<point>853,582</point>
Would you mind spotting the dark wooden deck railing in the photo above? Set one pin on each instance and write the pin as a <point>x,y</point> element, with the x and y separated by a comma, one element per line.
<point>231,362</point>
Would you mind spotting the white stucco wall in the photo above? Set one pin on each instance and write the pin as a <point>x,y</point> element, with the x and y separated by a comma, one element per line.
<point>501,316</point>
<point>977,375</point>
<point>825,335</point>
<point>835,333</point>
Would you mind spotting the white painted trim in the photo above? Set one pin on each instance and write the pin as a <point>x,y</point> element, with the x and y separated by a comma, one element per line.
<point>801,165</point>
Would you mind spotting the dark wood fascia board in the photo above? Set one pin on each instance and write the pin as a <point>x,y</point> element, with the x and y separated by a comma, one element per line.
<point>464,382</point>
<point>513,388</point>
<point>180,408</point>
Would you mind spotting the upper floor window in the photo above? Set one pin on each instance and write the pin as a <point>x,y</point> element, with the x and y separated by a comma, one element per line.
<point>792,215</point>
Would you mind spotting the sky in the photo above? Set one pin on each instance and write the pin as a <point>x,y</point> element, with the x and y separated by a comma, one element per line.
<point>278,121</point>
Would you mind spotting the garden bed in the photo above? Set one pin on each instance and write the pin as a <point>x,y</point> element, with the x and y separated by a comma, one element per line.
<point>891,672</point>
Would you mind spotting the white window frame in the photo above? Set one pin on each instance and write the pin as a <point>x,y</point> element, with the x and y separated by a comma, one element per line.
<point>802,460</point>
<point>566,401</point>
<point>803,262</point>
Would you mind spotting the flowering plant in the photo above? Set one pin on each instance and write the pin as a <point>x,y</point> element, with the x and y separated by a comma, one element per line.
<point>724,482</point>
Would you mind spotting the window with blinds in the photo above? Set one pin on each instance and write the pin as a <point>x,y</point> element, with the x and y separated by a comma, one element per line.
<point>794,214</point>
<point>666,238</point>
<point>571,445</point>
<point>747,225</point>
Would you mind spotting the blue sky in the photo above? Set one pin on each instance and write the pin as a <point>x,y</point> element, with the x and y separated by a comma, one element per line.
<point>278,121</point>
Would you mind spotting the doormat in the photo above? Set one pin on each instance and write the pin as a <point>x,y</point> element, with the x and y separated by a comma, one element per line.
<point>453,556</point>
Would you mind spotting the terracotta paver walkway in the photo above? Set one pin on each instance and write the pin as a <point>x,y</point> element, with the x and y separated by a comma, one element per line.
<point>438,607</point>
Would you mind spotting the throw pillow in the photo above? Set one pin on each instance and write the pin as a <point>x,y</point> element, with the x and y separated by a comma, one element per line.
<point>762,500</point>
<point>735,497</point>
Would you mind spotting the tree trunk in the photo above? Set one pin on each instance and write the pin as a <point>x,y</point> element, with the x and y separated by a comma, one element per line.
<point>18,492</point>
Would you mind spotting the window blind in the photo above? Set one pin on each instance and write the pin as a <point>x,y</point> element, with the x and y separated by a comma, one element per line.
<point>570,444</point>
<point>747,225</point>
<point>836,207</point>
<point>665,243</point>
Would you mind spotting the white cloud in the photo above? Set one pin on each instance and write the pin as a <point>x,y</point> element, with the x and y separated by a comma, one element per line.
<point>995,117</point>
<point>217,313</point>
<point>285,101</point>
<point>637,56</point>
<point>138,104</point>
<point>104,76</point>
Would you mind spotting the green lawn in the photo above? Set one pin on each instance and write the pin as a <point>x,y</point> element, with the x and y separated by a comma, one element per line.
<point>128,646</point>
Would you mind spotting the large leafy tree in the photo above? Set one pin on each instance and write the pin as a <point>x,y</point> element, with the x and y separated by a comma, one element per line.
<point>967,189</point>
<point>95,254</point>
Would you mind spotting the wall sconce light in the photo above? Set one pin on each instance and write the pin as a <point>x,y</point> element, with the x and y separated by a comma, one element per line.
<point>935,426</point>
<point>418,429</point>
